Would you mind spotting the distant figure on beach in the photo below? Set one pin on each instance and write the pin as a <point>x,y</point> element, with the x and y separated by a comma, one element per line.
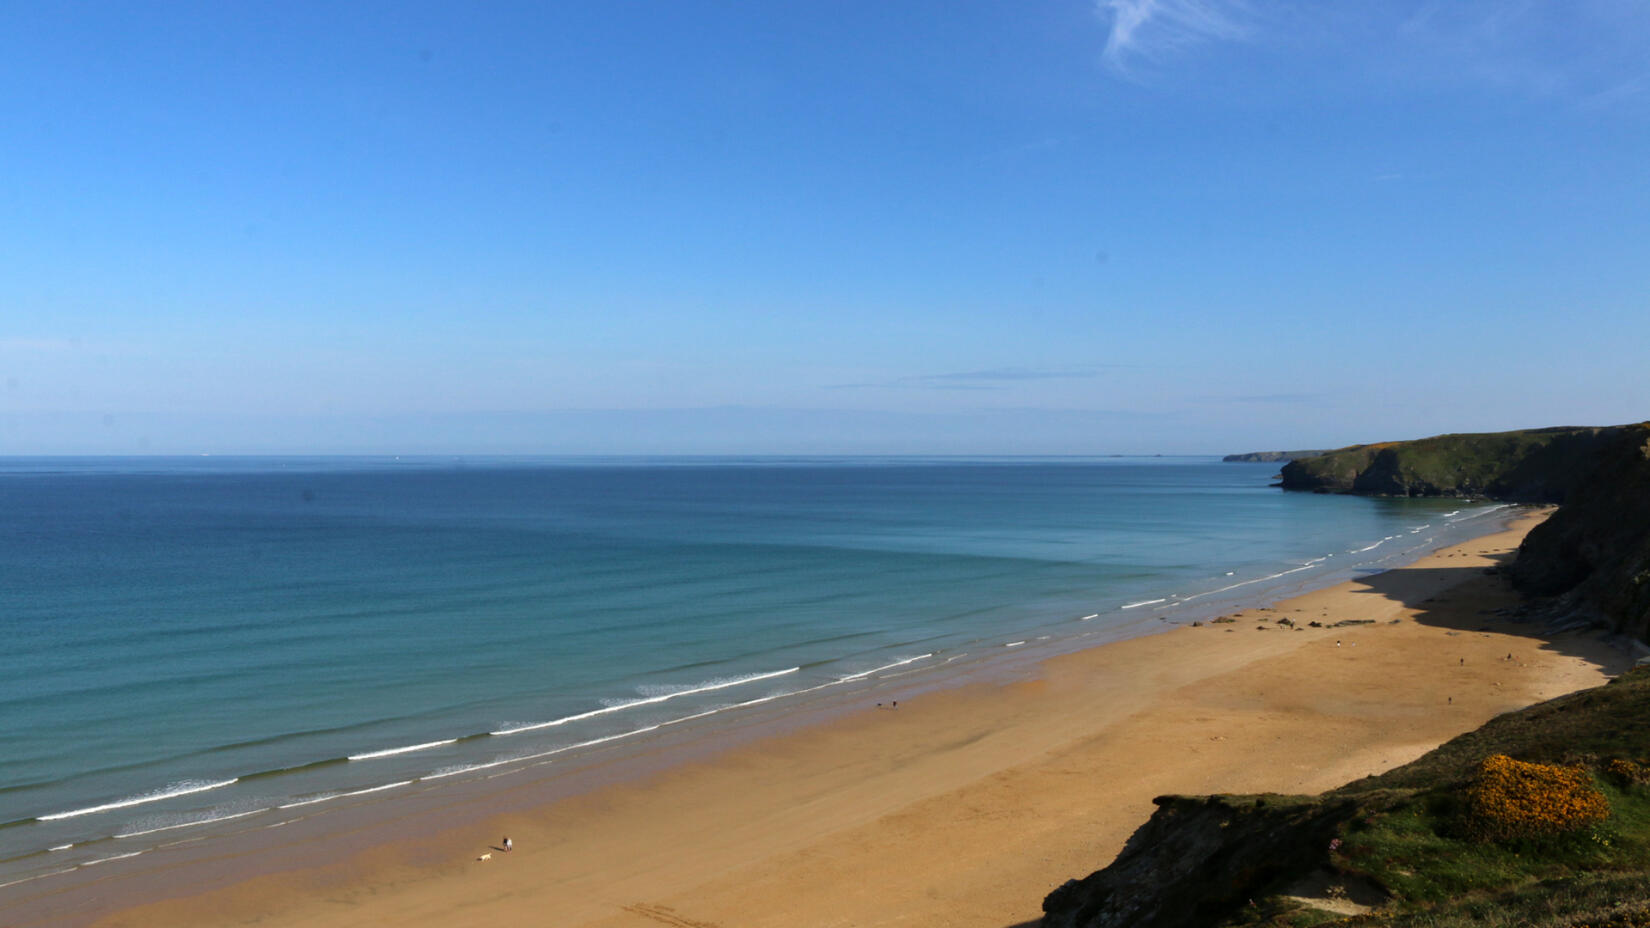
<point>1463,662</point>
<point>508,847</point>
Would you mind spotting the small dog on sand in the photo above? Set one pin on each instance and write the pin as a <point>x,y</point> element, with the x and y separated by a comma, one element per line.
<point>487,856</point>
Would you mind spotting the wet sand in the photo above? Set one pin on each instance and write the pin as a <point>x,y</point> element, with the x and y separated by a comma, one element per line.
<point>962,806</point>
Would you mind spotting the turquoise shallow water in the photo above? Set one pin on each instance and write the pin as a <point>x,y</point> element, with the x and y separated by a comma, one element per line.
<point>194,642</point>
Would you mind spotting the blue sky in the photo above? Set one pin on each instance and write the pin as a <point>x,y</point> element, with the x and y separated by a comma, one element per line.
<point>963,227</point>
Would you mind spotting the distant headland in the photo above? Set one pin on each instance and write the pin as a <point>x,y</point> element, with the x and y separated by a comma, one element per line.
<point>1270,457</point>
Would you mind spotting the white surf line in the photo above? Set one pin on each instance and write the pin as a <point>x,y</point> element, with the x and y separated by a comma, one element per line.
<point>204,821</point>
<point>406,750</point>
<point>646,701</point>
<point>1013,644</point>
<point>749,702</point>
<point>570,747</point>
<point>770,698</point>
<point>60,847</point>
<point>376,789</point>
<point>1143,602</point>
<point>582,744</point>
<point>1248,582</point>
<point>677,721</point>
<point>138,800</point>
<point>40,876</point>
<point>899,663</point>
<point>1087,617</point>
<point>441,774</point>
<point>104,860</point>
<point>308,802</point>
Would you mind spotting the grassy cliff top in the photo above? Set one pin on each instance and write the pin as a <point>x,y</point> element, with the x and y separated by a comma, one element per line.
<point>1540,818</point>
<point>1536,465</point>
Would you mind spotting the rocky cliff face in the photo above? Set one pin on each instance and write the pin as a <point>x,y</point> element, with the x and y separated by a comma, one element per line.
<point>1198,859</point>
<point>1593,554</point>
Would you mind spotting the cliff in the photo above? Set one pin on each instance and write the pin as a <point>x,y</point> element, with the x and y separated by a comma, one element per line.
<point>1396,850</point>
<point>1590,560</point>
<point>1592,556</point>
<point>1401,849</point>
<point>1536,465</point>
<point>1198,859</point>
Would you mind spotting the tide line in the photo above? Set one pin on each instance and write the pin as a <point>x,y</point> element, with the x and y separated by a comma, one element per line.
<point>375,789</point>
<point>899,663</point>
<point>39,876</point>
<point>646,701</point>
<point>104,860</point>
<point>204,821</point>
<point>406,750</point>
<point>1234,586</point>
<point>185,788</point>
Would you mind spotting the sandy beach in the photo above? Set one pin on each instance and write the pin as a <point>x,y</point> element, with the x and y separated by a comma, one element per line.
<point>961,806</point>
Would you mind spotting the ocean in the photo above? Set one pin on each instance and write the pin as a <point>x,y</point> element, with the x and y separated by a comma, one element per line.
<point>198,646</point>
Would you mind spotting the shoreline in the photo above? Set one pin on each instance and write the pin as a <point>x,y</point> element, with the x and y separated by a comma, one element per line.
<point>836,814</point>
<point>280,789</point>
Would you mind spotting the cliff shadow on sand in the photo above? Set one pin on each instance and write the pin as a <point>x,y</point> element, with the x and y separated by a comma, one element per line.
<point>1478,600</point>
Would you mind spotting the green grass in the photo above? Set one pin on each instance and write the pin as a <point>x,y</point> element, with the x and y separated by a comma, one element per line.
<point>1418,851</point>
<point>1409,835</point>
<point>1412,845</point>
<point>1534,464</point>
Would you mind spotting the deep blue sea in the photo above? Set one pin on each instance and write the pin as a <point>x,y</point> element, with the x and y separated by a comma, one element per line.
<point>202,643</point>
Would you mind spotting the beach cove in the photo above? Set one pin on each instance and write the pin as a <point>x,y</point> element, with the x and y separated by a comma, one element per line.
<point>962,806</point>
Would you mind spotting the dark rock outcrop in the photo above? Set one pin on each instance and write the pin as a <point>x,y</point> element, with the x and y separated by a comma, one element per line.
<point>1593,554</point>
<point>1197,859</point>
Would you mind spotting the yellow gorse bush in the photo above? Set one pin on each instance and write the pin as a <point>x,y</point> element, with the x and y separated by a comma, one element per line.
<point>1626,772</point>
<point>1512,799</point>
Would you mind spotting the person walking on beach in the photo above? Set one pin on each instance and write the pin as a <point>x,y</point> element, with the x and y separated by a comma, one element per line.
<point>508,847</point>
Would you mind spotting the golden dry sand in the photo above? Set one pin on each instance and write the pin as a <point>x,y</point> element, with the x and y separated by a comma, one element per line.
<point>966,806</point>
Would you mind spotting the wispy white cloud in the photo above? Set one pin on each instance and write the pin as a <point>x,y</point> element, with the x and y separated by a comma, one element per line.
<point>1149,30</point>
<point>1586,51</point>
